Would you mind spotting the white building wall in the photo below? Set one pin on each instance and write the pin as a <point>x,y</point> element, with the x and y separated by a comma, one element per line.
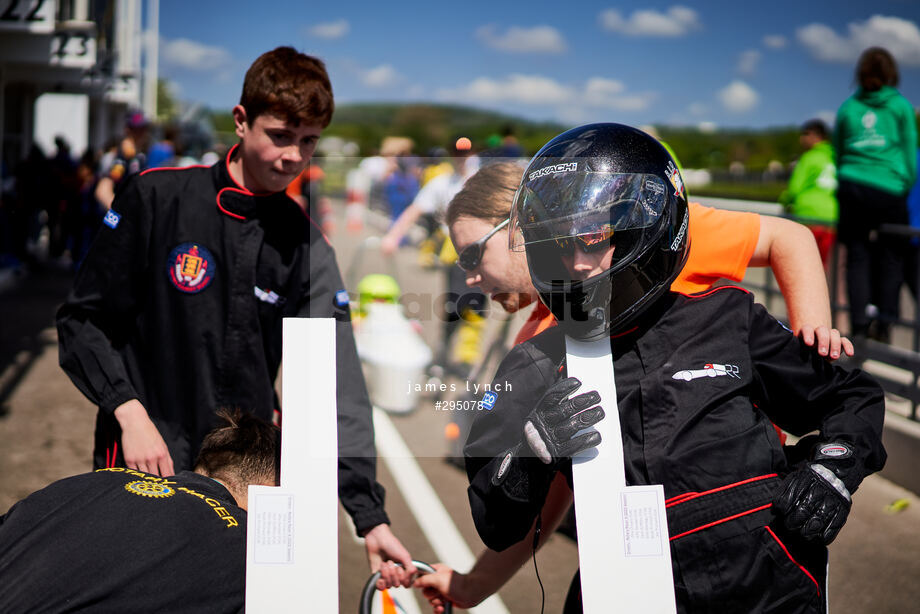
<point>66,115</point>
<point>37,58</point>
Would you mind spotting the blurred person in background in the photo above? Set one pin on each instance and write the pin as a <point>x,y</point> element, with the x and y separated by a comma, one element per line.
<point>511,148</point>
<point>9,264</point>
<point>504,145</point>
<point>435,163</point>
<point>401,186</point>
<point>463,309</point>
<point>35,192</point>
<point>88,213</point>
<point>307,191</point>
<point>127,159</point>
<point>214,155</point>
<point>813,185</point>
<point>62,210</point>
<point>164,150</point>
<point>875,138</point>
<point>400,183</point>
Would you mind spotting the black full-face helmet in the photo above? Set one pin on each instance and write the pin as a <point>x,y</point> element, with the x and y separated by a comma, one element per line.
<point>612,196</point>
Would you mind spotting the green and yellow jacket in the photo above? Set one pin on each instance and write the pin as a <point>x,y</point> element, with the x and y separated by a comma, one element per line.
<point>812,186</point>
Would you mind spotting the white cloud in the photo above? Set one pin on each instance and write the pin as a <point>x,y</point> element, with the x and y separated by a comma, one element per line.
<point>174,88</point>
<point>192,55</point>
<point>633,102</point>
<point>707,127</point>
<point>827,116</point>
<point>516,39</point>
<point>380,76</point>
<point>775,41</point>
<point>698,109</point>
<point>899,36</point>
<point>738,97</point>
<point>676,21</point>
<point>573,115</point>
<point>825,44</point>
<point>747,61</point>
<point>606,93</point>
<point>518,88</point>
<point>597,92</point>
<point>330,29</point>
<point>416,91</point>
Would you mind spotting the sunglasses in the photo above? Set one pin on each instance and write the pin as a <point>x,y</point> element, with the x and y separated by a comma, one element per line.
<point>471,255</point>
<point>587,242</point>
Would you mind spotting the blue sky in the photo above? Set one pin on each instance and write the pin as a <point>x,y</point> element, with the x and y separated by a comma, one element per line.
<point>709,63</point>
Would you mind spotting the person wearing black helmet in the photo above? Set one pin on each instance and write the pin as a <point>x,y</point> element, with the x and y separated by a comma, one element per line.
<point>602,215</point>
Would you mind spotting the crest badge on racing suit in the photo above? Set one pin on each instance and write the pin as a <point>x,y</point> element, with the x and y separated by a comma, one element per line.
<point>152,490</point>
<point>191,267</point>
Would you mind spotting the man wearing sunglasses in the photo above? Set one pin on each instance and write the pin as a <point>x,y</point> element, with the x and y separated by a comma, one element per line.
<point>470,257</point>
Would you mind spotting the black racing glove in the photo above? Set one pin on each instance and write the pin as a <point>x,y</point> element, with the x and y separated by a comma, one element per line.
<point>550,427</point>
<point>815,499</point>
<point>525,471</point>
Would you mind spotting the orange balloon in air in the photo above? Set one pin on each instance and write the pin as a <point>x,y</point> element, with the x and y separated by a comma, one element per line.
<point>452,431</point>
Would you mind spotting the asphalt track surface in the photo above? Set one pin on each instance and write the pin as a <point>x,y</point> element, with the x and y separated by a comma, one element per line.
<point>46,428</point>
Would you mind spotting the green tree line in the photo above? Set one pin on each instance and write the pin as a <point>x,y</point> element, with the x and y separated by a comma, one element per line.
<point>430,126</point>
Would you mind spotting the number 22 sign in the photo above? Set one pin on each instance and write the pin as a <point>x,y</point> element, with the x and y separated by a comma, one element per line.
<point>27,15</point>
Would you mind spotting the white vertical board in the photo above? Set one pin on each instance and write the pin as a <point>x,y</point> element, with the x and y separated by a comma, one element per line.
<point>623,549</point>
<point>292,531</point>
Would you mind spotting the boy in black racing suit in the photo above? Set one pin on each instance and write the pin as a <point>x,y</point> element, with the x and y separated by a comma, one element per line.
<point>178,307</point>
<point>698,378</point>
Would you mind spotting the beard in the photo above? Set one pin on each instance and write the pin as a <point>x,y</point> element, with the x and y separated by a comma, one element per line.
<point>513,301</point>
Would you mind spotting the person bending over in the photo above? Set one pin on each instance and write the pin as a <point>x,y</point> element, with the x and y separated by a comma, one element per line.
<point>119,539</point>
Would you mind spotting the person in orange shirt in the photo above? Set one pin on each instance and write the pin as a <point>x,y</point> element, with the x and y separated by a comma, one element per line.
<point>723,244</point>
<point>306,191</point>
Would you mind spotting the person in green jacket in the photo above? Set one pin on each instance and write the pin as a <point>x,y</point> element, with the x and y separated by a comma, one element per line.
<point>875,138</point>
<point>811,193</point>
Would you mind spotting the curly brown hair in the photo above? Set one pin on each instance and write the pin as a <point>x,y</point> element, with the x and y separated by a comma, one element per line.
<point>289,84</point>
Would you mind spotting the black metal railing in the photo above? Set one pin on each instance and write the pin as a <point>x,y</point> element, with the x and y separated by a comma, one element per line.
<point>893,354</point>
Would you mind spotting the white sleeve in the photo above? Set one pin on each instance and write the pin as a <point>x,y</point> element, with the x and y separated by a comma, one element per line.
<point>429,198</point>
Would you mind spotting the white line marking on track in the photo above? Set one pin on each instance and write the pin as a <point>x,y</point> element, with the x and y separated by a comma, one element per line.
<point>426,506</point>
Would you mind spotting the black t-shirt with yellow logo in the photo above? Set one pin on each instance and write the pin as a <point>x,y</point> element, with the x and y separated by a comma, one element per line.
<point>119,540</point>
